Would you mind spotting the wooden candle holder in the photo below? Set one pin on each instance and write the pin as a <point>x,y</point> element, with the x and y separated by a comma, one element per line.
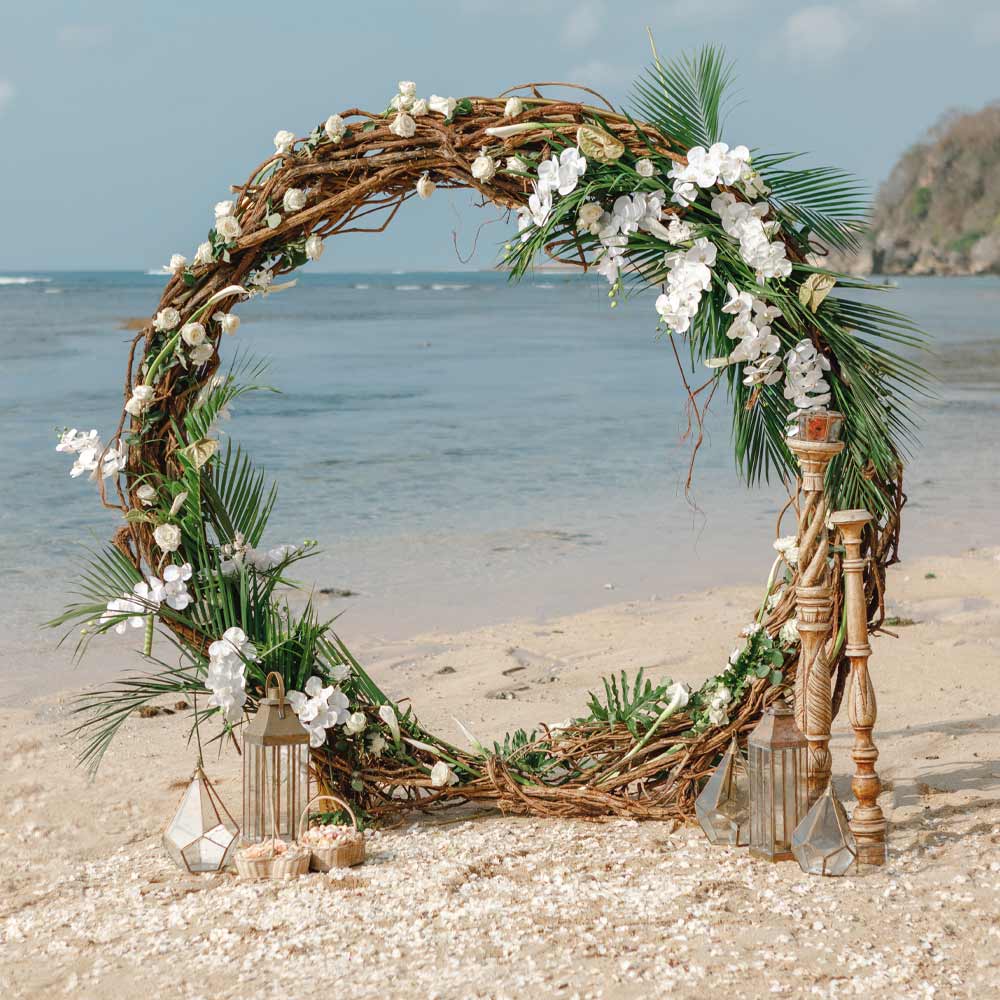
<point>868,824</point>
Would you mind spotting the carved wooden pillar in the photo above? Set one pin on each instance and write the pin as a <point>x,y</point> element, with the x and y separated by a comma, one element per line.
<point>814,607</point>
<point>867,822</point>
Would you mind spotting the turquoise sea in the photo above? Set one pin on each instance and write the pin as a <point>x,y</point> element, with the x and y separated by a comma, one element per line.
<point>465,450</point>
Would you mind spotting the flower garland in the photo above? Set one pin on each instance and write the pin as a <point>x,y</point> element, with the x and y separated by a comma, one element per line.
<point>192,550</point>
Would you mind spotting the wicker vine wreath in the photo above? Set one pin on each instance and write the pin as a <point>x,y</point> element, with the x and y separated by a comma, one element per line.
<point>643,748</point>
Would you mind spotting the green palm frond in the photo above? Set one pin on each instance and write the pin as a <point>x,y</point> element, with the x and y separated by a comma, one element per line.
<point>686,98</point>
<point>236,497</point>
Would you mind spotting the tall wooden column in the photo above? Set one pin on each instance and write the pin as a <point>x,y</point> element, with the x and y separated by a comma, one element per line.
<point>867,822</point>
<point>814,608</point>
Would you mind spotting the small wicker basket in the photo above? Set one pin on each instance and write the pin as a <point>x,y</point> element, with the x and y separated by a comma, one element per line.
<point>291,864</point>
<point>346,855</point>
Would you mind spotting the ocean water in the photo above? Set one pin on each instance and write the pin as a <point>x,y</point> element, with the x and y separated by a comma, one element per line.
<point>465,450</point>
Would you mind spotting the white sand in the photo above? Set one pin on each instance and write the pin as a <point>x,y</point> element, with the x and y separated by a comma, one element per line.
<point>495,907</point>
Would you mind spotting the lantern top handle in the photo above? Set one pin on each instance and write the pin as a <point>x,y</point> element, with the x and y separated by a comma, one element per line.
<point>279,696</point>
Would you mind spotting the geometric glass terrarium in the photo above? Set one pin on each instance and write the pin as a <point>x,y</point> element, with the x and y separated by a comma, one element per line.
<point>823,843</point>
<point>778,782</point>
<point>723,807</point>
<point>202,835</point>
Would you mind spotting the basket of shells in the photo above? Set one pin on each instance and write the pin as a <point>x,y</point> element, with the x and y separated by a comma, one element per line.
<point>332,845</point>
<point>272,858</point>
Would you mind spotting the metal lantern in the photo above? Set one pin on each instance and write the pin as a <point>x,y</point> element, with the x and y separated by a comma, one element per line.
<point>778,782</point>
<point>823,843</point>
<point>202,834</point>
<point>275,768</point>
<point>723,807</point>
<point>820,425</point>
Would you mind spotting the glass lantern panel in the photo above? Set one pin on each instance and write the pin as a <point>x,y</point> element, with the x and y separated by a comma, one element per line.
<point>823,843</point>
<point>201,835</point>
<point>723,807</point>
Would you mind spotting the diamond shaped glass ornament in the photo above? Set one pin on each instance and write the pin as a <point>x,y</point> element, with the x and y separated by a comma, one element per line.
<point>823,843</point>
<point>723,807</point>
<point>202,835</point>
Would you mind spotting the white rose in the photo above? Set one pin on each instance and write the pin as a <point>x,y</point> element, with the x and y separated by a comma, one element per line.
<point>273,220</point>
<point>513,107</point>
<point>516,163</point>
<point>590,213</point>
<point>142,396</point>
<point>425,186</point>
<point>166,319</point>
<point>168,537</point>
<point>644,167</point>
<point>229,322</point>
<point>442,105</point>
<point>229,228</point>
<point>419,107</point>
<point>355,724</point>
<point>335,128</point>
<point>403,126</point>
<point>283,141</point>
<point>294,200</point>
<point>200,354</point>
<point>223,208</point>
<point>401,103</point>
<point>789,632</point>
<point>177,262</point>
<point>193,334</point>
<point>484,167</point>
<point>407,88</point>
<point>146,495</point>
<point>314,247</point>
<point>203,255</point>
<point>441,775</point>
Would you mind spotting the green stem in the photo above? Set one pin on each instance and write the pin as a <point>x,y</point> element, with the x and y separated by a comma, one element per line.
<point>147,646</point>
<point>168,348</point>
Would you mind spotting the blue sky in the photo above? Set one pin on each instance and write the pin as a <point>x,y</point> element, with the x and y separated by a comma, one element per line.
<point>123,122</point>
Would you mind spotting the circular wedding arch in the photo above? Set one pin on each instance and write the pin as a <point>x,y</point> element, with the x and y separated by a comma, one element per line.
<point>637,753</point>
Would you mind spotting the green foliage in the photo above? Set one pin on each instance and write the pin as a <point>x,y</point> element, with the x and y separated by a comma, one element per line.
<point>920,204</point>
<point>964,243</point>
<point>636,705</point>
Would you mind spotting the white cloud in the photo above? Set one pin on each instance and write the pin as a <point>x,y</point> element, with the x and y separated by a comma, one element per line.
<point>583,24</point>
<point>820,32</point>
<point>83,36</point>
<point>6,94</point>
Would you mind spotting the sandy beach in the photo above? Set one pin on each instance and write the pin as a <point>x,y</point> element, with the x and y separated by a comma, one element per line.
<point>473,905</point>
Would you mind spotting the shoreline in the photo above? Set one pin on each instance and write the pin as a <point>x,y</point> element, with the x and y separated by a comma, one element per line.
<point>85,879</point>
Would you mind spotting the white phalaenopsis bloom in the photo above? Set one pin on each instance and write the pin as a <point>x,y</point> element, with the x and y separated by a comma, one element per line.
<point>644,167</point>
<point>513,107</point>
<point>283,141</point>
<point>744,222</point>
<point>706,168</point>
<point>229,228</point>
<point>442,105</point>
<point>535,213</point>
<point>166,320</point>
<point>335,128</point>
<point>226,677</point>
<point>91,455</point>
<point>74,441</point>
<point>203,255</point>
<point>442,775</point>
<point>193,334</point>
<point>294,200</point>
<point>484,167</point>
<point>142,396</point>
<point>146,495</point>
<point>388,715</point>
<point>173,588</point>
<point>177,263</point>
<point>425,186</point>
<point>562,174</point>
<point>804,381</point>
<point>314,247</point>
<point>403,126</point>
<point>679,231</point>
<point>168,537</point>
<point>228,322</point>
<point>757,342</point>
<point>689,275</point>
<point>355,723</point>
<point>319,708</point>
<point>239,553</point>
